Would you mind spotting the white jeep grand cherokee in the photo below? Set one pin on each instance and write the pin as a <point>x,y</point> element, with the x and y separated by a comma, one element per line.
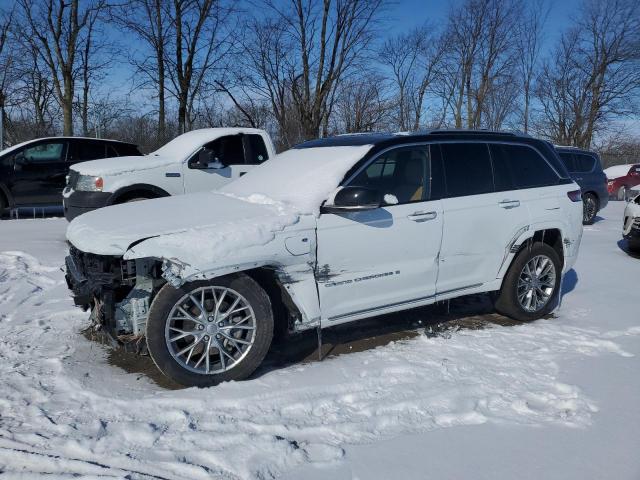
<point>196,161</point>
<point>332,231</point>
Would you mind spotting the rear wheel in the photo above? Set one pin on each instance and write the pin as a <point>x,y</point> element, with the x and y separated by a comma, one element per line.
<point>531,285</point>
<point>589,208</point>
<point>208,332</point>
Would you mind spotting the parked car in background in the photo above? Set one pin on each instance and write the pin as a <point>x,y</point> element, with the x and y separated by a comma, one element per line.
<point>196,161</point>
<point>332,231</point>
<point>33,173</point>
<point>631,224</point>
<point>621,179</point>
<point>585,168</point>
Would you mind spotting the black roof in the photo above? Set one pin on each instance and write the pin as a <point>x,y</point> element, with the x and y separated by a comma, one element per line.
<point>378,138</point>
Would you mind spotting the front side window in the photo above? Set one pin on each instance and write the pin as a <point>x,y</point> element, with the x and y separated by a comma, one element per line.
<point>400,175</point>
<point>467,168</point>
<point>43,153</point>
<point>225,150</point>
<point>568,160</point>
<point>519,166</point>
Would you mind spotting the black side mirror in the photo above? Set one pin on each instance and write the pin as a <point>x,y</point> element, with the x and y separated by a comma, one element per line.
<point>354,199</point>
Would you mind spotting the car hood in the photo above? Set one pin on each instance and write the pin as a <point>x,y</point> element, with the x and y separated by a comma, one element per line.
<point>182,225</point>
<point>123,165</point>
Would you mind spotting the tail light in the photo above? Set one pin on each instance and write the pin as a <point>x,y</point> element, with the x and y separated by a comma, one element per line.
<point>575,195</point>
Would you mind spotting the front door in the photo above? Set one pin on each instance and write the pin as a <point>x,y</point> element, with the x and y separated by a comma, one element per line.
<point>387,257</point>
<point>39,173</point>
<point>226,162</point>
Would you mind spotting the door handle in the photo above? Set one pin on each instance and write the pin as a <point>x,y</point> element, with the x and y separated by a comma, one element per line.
<point>509,203</point>
<point>422,216</point>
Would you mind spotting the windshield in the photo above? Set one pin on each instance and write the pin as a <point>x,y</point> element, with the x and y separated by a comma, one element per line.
<point>302,178</point>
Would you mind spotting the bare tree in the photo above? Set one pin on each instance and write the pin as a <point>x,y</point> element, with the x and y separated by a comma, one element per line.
<point>56,27</point>
<point>199,41</point>
<point>594,74</point>
<point>414,60</point>
<point>528,44</point>
<point>6,63</point>
<point>361,105</point>
<point>149,21</point>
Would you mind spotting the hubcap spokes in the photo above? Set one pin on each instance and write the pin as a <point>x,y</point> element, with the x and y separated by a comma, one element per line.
<point>589,209</point>
<point>210,330</point>
<point>536,283</point>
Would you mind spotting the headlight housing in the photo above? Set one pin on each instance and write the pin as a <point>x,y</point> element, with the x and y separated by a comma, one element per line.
<point>89,183</point>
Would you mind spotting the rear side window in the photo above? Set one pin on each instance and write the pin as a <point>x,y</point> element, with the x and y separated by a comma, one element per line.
<point>583,163</point>
<point>467,168</point>
<point>82,150</point>
<point>256,149</point>
<point>568,160</point>
<point>519,166</point>
<point>123,150</point>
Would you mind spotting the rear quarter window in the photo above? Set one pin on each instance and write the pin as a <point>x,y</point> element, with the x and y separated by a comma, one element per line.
<point>519,166</point>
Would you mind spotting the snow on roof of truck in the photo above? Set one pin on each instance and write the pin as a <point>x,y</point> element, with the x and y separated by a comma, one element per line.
<point>191,141</point>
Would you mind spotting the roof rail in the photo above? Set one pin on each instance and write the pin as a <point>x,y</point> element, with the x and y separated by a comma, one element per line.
<point>480,131</point>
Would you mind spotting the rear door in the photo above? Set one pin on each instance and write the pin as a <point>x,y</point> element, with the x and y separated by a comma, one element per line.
<point>480,221</point>
<point>39,173</point>
<point>387,257</point>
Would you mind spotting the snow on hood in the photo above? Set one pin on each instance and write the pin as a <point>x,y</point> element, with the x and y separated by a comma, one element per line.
<point>300,178</point>
<point>122,165</point>
<point>617,171</point>
<point>199,217</point>
<point>205,227</point>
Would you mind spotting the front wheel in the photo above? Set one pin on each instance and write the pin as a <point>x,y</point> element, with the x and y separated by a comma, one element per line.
<point>589,208</point>
<point>532,283</point>
<point>207,332</point>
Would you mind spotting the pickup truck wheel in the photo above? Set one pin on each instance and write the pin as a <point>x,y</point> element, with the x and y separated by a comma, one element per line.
<point>531,285</point>
<point>589,208</point>
<point>207,332</point>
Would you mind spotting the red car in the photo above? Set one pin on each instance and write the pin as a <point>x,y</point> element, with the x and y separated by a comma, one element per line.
<point>621,178</point>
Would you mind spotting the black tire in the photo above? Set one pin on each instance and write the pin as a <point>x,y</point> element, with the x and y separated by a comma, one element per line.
<point>590,207</point>
<point>634,246</point>
<point>507,302</point>
<point>164,302</point>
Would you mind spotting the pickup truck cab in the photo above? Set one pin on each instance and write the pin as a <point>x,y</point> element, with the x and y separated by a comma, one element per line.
<point>199,160</point>
<point>332,231</point>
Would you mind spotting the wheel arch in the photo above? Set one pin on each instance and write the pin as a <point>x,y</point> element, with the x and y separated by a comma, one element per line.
<point>138,189</point>
<point>550,236</point>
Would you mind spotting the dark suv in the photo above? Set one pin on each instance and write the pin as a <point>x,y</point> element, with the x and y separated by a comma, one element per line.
<point>586,169</point>
<point>33,173</point>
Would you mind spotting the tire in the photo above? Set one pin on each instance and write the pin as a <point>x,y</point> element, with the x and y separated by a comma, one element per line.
<point>508,303</point>
<point>634,246</point>
<point>590,206</point>
<point>621,194</point>
<point>160,327</point>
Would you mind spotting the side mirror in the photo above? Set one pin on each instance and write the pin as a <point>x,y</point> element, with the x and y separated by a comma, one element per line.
<point>354,199</point>
<point>207,160</point>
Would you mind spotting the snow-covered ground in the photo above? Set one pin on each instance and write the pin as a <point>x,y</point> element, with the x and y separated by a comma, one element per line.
<point>554,399</point>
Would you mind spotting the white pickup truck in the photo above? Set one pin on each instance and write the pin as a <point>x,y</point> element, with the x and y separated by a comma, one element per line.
<point>196,161</point>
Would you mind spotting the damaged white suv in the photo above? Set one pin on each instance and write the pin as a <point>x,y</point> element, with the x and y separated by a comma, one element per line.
<point>332,231</point>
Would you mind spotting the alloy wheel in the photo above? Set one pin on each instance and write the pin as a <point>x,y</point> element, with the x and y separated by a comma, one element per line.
<point>210,330</point>
<point>536,283</point>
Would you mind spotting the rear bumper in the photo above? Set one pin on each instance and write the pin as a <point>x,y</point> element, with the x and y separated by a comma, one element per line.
<point>76,203</point>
